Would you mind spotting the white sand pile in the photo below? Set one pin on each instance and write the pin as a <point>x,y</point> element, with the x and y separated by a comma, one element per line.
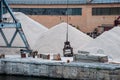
<point>108,43</point>
<point>53,40</point>
<point>31,28</point>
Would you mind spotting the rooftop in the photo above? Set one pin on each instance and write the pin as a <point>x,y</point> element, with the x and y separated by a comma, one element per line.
<point>61,1</point>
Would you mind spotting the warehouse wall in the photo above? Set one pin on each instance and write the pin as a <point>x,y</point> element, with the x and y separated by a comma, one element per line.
<point>86,22</point>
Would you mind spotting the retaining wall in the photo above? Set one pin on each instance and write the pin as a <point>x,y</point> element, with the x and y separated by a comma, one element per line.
<point>79,71</point>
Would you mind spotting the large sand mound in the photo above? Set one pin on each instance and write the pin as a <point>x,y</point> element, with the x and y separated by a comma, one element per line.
<point>53,40</point>
<point>108,43</point>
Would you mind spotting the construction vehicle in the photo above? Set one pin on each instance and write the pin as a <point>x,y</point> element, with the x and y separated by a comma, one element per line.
<point>16,25</point>
<point>117,21</point>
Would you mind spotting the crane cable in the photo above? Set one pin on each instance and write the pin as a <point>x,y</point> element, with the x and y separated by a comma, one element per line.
<point>67,23</point>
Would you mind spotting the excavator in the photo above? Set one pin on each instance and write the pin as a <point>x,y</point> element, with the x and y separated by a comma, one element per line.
<point>16,25</point>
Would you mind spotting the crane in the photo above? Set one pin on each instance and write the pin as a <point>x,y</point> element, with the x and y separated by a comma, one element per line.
<point>15,24</point>
<point>67,50</point>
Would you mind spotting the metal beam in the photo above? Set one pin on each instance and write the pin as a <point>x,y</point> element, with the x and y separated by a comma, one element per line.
<point>12,47</point>
<point>1,10</point>
<point>9,10</point>
<point>10,25</point>
<point>22,35</point>
<point>10,44</point>
<point>4,37</point>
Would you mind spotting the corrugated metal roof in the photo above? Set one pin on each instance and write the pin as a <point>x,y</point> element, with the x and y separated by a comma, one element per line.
<point>106,1</point>
<point>60,1</point>
<point>46,1</point>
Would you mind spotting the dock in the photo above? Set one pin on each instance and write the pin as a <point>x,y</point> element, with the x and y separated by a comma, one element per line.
<point>59,69</point>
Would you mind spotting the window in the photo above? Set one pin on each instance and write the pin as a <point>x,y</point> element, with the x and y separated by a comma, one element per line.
<point>106,11</point>
<point>49,11</point>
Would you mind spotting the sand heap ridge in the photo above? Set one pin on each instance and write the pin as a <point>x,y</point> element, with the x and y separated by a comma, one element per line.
<point>108,43</point>
<point>53,40</point>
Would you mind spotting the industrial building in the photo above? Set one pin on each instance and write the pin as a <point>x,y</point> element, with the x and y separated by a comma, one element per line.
<point>86,15</point>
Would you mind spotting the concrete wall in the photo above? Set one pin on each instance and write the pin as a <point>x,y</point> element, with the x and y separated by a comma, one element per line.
<point>77,71</point>
<point>86,22</point>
